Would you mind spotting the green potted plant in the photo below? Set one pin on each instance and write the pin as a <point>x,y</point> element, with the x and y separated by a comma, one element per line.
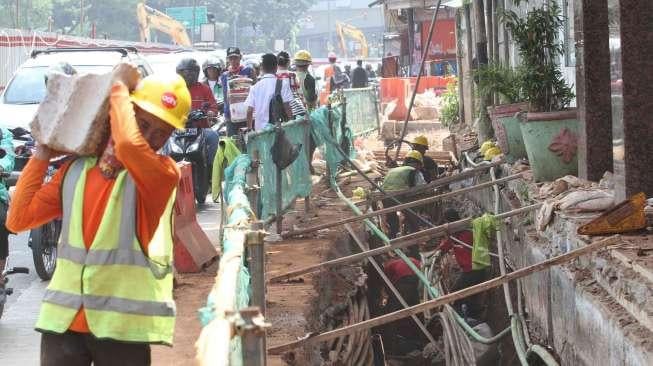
<point>507,83</point>
<point>549,128</point>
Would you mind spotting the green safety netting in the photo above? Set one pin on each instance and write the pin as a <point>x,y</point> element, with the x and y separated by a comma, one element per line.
<point>296,178</point>
<point>362,110</point>
<point>240,214</point>
<point>328,135</point>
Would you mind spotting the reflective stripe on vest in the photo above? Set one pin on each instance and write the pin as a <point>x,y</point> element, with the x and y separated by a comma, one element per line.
<point>109,303</point>
<point>125,254</point>
<point>397,178</point>
<point>127,296</point>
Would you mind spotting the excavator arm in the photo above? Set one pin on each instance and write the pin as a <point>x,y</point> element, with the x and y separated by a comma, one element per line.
<point>152,18</point>
<point>344,29</point>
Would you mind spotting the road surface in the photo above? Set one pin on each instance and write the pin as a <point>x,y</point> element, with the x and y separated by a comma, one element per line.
<point>19,342</point>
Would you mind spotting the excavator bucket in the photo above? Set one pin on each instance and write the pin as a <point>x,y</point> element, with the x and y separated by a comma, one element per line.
<point>627,216</point>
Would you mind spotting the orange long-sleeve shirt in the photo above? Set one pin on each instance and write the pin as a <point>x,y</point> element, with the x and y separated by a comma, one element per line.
<point>34,204</point>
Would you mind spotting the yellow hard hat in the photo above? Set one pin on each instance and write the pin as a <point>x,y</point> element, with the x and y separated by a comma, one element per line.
<point>164,96</point>
<point>303,57</point>
<point>421,140</point>
<point>415,155</point>
<point>491,153</point>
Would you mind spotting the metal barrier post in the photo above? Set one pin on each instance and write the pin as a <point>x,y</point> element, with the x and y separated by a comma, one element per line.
<point>252,186</point>
<point>279,180</point>
<point>251,328</point>
<point>256,259</point>
<point>376,108</point>
<point>309,159</point>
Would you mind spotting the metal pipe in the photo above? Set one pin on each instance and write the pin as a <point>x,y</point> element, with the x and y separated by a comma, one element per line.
<point>251,328</point>
<point>279,181</point>
<point>419,75</point>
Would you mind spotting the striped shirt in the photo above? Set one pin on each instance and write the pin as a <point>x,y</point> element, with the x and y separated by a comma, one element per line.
<point>297,105</point>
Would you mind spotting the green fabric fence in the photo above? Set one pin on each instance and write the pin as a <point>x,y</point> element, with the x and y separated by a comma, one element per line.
<point>362,110</point>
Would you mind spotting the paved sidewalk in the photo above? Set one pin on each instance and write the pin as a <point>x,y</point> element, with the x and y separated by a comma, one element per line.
<point>19,342</point>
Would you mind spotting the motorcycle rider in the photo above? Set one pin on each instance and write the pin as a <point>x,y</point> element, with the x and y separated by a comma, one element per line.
<point>234,70</point>
<point>212,69</point>
<point>202,97</point>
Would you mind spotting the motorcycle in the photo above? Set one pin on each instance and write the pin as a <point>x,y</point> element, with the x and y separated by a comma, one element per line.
<point>42,240</point>
<point>190,145</point>
<point>4,290</point>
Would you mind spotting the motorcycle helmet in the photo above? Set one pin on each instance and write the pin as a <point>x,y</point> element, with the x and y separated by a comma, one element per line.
<point>212,62</point>
<point>189,69</point>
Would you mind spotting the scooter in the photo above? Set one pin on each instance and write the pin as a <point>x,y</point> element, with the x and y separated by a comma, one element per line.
<point>190,145</point>
<point>4,290</point>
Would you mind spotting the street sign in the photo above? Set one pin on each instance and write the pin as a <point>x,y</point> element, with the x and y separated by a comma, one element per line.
<point>207,32</point>
<point>184,15</point>
<point>278,45</point>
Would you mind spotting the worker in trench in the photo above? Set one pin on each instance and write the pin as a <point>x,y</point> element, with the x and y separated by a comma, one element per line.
<point>399,179</point>
<point>462,243</point>
<point>400,337</point>
<point>111,294</point>
<point>429,166</point>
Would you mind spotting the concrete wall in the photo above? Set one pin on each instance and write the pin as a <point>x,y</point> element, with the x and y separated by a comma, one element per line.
<point>594,311</point>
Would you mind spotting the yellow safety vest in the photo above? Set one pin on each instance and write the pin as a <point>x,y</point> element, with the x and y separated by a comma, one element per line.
<point>127,296</point>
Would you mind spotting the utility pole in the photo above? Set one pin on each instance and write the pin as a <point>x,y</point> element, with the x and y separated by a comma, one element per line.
<point>235,30</point>
<point>329,25</point>
<point>192,33</point>
<point>17,14</point>
<point>81,18</point>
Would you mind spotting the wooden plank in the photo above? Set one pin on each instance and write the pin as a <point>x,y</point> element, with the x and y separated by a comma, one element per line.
<point>446,299</point>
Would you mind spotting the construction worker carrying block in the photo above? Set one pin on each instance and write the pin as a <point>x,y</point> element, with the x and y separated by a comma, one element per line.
<point>111,294</point>
<point>398,179</point>
<point>429,166</point>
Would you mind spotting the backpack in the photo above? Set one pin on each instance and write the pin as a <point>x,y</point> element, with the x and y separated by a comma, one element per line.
<point>277,110</point>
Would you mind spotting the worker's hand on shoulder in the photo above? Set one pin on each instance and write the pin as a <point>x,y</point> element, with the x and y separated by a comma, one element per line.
<point>128,74</point>
<point>44,152</point>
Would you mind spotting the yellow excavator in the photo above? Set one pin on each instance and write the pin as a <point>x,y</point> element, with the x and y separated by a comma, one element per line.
<point>149,17</point>
<point>344,29</point>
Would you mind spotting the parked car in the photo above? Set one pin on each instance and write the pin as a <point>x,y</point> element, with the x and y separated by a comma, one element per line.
<point>18,105</point>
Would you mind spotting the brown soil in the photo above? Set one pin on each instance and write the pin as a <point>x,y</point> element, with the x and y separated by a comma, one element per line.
<point>190,295</point>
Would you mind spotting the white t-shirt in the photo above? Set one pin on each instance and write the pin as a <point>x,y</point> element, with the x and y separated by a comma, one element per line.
<point>260,95</point>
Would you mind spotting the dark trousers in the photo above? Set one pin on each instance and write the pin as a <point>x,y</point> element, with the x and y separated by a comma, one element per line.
<point>83,349</point>
<point>411,221</point>
<point>233,127</point>
<point>400,337</point>
<point>473,303</point>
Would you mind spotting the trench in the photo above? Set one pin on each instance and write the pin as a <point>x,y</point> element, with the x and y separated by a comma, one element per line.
<point>352,293</point>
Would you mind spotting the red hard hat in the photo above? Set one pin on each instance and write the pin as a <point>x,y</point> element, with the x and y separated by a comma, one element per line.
<point>332,56</point>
